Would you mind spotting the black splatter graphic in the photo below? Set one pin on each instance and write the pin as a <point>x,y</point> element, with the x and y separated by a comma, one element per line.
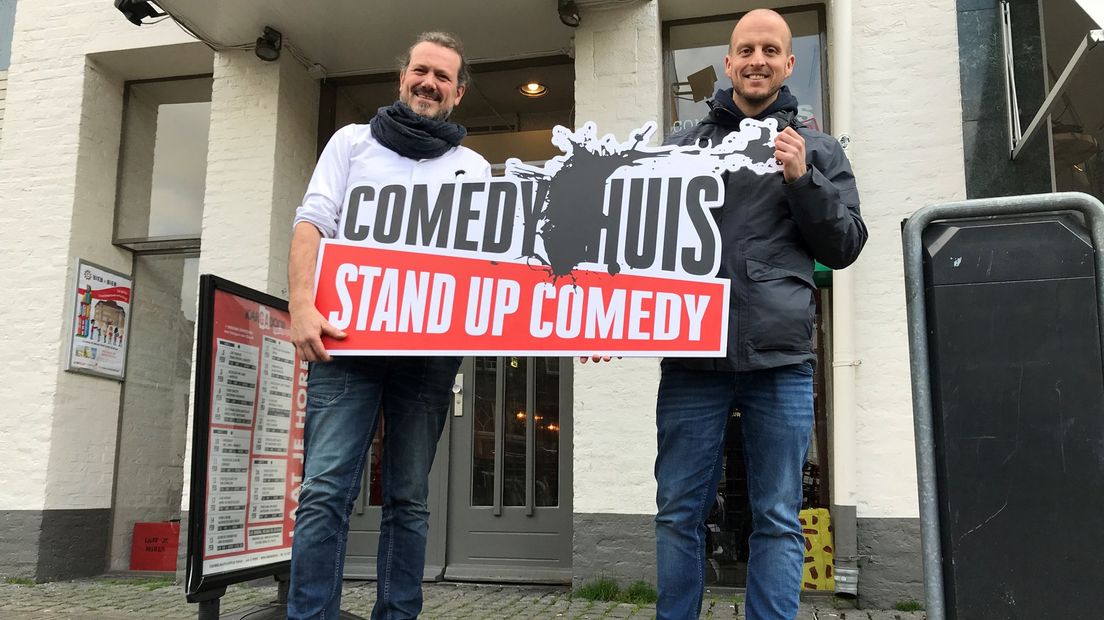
<point>571,198</point>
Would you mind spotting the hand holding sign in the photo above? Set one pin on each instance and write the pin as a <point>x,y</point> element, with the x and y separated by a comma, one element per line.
<point>307,328</point>
<point>789,150</point>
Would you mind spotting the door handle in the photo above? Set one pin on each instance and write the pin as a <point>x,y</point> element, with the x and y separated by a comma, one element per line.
<point>458,396</point>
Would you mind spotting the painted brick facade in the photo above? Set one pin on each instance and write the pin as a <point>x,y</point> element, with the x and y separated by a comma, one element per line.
<point>61,125</point>
<point>259,160</point>
<point>618,86</point>
<point>57,171</point>
<point>907,153</point>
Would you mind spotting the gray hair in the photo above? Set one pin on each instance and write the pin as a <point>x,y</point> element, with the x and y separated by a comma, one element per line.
<point>446,40</point>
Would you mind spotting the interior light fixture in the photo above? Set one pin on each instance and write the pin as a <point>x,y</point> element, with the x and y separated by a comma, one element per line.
<point>137,10</point>
<point>569,13</point>
<point>533,89</point>
<point>269,44</point>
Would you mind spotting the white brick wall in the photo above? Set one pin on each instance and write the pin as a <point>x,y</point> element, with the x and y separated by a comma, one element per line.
<point>44,132</point>
<point>259,159</point>
<point>907,153</point>
<point>57,167</point>
<point>57,170</point>
<point>618,86</point>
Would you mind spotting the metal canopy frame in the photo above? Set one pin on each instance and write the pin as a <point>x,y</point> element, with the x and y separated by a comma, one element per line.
<point>1093,211</point>
<point>1017,139</point>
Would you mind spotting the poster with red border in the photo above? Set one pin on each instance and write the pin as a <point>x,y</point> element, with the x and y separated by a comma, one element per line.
<point>250,445</point>
<point>611,248</point>
<point>101,321</point>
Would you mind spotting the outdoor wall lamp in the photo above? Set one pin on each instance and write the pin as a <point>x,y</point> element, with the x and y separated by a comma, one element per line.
<point>137,10</point>
<point>269,44</point>
<point>569,13</point>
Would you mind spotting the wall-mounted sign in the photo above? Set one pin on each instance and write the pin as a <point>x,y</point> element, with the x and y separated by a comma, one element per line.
<point>101,321</point>
<point>247,451</point>
<point>609,248</point>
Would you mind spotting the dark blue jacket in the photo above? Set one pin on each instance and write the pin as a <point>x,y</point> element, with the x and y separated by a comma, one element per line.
<point>771,232</point>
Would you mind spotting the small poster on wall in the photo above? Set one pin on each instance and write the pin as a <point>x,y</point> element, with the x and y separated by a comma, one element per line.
<point>101,320</point>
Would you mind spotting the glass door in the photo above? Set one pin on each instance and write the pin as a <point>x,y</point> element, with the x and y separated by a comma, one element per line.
<point>510,479</point>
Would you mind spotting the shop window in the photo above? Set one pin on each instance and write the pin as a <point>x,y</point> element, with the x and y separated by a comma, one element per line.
<point>694,66</point>
<point>1077,120</point>
<point>1073,61</point>
<point>163,164</point>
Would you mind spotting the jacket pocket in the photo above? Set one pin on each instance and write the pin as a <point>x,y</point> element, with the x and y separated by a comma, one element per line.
<point>780,308</point>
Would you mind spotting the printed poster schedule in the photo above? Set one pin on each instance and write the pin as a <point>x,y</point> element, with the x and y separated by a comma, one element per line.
<point>255,436</point>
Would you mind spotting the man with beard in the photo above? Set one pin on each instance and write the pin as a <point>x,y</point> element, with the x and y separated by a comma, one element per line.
<point>409,141</point>
<point>772,228</point>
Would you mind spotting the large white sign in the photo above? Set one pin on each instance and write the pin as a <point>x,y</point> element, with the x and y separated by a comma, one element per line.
<point>608,248</point>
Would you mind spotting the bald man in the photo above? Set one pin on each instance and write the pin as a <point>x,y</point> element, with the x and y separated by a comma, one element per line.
<point>773,226</point>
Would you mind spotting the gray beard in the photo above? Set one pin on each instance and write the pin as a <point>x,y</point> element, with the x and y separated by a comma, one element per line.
<point>419,108</point>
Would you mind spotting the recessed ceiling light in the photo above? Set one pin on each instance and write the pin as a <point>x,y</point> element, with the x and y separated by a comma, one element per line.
<point>533,89</point>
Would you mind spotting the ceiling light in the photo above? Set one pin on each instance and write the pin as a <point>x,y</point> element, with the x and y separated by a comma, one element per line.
<point>269,44</point>
<point>533,89</point>
<point>569,13</point>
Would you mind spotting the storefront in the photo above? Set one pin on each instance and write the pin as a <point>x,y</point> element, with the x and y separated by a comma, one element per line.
<point>155,155</point>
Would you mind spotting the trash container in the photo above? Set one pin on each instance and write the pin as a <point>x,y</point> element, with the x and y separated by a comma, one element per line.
<point>1017,396</point>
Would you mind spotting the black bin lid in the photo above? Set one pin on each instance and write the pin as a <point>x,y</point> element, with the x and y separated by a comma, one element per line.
<point>1007,249</point>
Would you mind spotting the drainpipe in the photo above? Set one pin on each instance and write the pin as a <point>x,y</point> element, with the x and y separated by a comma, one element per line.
<point>844,361</point>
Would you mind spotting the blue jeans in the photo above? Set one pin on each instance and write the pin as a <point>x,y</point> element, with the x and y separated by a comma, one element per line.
<point>776,407</point>
<point>344,399</point>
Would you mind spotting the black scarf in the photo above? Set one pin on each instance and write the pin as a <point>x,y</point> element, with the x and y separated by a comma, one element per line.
<point>785,102</point>
<point>411,135</point>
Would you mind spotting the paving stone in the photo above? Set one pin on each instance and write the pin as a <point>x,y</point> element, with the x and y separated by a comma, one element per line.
<point>115,599</point>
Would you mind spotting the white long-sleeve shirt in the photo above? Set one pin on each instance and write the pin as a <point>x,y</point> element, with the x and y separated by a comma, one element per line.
<point>353,157</point>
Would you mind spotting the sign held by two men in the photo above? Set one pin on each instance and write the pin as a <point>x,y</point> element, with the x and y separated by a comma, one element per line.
<point>609,248</point>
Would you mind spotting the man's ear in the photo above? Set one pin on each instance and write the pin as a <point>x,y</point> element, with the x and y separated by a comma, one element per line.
<point>790,65</point>
<point>460,90</point>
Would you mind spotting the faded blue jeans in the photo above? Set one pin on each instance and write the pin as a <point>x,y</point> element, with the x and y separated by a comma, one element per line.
<point>776,407</point>
<point>344,400</point>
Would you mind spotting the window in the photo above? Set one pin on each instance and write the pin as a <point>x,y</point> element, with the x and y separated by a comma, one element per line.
<point>163,164</point>
<point>694,66</point>
<point>1076,117</point>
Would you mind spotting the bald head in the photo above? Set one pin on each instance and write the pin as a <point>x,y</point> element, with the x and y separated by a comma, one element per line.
<point>762,20</point>
<point>760,57</point>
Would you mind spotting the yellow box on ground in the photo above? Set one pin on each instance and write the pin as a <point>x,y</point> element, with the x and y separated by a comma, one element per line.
<point>816,526</point>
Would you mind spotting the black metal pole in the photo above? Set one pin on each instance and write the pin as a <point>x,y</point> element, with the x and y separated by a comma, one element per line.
<point>209,610</point>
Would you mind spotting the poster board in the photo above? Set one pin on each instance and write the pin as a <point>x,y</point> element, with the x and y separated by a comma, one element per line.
<point>608,249</point>
<point>98,331</point>
<point>247,447</point>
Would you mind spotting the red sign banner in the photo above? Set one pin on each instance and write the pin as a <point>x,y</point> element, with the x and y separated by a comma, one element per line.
<point>395,302</point>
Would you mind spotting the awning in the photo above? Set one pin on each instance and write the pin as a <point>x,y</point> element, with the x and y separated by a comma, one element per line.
<point>355,37</point>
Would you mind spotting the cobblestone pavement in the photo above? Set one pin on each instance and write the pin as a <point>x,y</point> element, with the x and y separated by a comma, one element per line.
<point>159,599</point>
